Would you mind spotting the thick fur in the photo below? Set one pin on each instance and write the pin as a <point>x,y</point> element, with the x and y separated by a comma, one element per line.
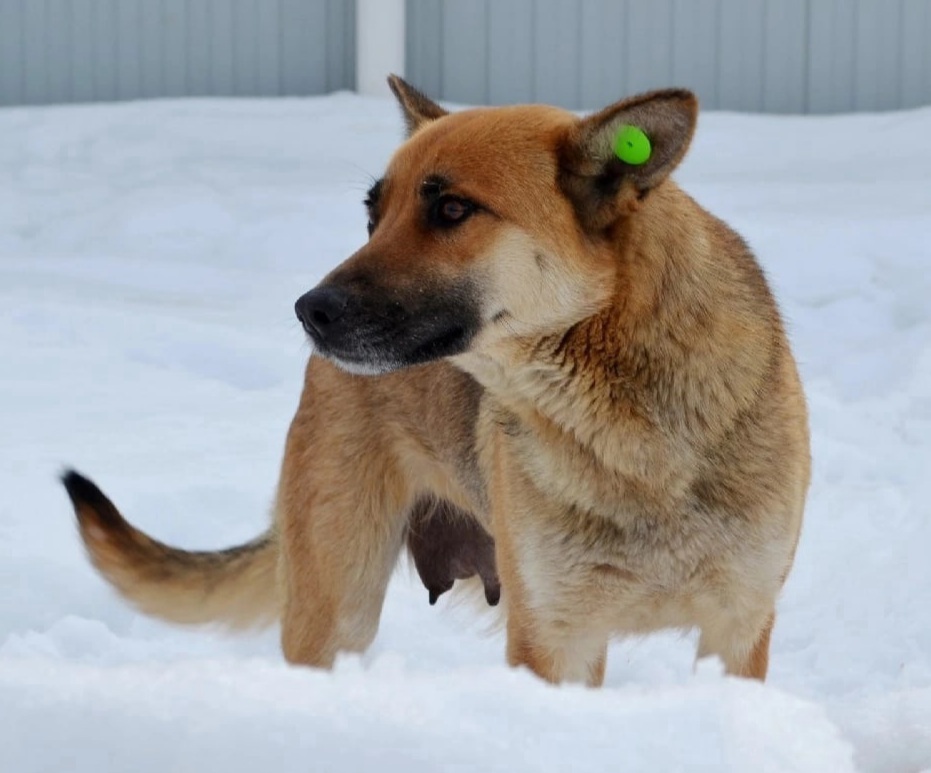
<point>234,587</point>
<point>564,348</point>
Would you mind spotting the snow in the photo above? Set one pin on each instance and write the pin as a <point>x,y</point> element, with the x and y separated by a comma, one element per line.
<point>150,254</point>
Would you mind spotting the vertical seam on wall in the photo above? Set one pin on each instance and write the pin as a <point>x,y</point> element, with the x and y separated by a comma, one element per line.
<point>92,27</point>
<point>327,79</point>
<point>856,50</point>
<point>349,41</point>
<point>117,50</point>
<point>764,103</point>
<point>924,87</point>
<point>48,51</point>
<point>533,50</point>
<point>67,52</point>
<point>279,42</point>
<point>49,42</point>
<point>234,27</point>
<point>110,40</point>
<point>187,48</point>
<point>832,62</point>
<point>900,75</point>
<point>347,47</point>
<point>256,51</point>
<point>140,61</point>
<point>208,72</point>
<point>70,45</point>
<point>673,60</point>
<point>487,25</point>
<point>764,98</point>
<point>23,48</point>
<point>673,70</point>
<point>190,44</point>
<point>20,95</point>
<point>716,80</point>
<point>577,97</point>
<point>669,31</point>
<point>806,72</point>
<point>441,39</point>
<point>42,46</point>
<point>409,41</point>
<point>626,24</point>
<point>252,43</point>
<point>162,50</point>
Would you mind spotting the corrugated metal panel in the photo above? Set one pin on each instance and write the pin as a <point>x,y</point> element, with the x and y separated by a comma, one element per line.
<point>86,50</point>
<point>464,31</point>
<point>555,28</point>
<point>424,42</point>
<point>740,55</point>
<point>695,49</point>
<point>916,51</point>
<point>832,67</point>
<point>786,56</point>
<point>510,50</point>
<point>11,50</point>
<point>648,45</point>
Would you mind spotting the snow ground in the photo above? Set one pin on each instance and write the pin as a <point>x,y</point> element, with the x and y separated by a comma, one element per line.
<point>149,257</point>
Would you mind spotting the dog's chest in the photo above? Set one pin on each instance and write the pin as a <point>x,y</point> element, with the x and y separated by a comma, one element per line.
<point>621,512</point>
<point>611,470</point>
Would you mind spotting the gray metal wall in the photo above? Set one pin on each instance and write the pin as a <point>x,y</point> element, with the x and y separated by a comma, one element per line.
<point>787,56</point>
<point>86,50</point>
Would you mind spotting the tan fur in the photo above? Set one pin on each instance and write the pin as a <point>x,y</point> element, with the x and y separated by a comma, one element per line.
<point>236,588</point>
<point>628,421</point>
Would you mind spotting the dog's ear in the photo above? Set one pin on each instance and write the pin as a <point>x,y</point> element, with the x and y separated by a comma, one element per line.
<point>417,108</point>
<point>598,182</point>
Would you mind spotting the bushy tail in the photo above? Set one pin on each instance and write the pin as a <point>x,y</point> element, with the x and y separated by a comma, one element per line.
<point>235,587</point>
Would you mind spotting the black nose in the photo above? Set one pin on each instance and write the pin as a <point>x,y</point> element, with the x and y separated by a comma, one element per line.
<point>320,308</point>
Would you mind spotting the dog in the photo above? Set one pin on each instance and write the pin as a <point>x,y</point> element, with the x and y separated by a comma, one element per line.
<point>547,367</point>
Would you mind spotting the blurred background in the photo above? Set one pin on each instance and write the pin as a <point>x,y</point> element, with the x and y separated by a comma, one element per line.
<point>775,56</point>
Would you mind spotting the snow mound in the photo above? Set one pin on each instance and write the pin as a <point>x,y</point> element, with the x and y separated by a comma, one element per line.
<point>248,715</point>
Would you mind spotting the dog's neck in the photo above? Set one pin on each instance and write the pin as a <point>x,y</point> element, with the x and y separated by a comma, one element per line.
<point>633,365</point>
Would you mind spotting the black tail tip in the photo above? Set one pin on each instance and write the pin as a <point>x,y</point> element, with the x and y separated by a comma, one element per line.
<point>83,491</point>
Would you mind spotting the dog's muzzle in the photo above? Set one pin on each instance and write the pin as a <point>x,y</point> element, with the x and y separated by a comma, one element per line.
<point>371,329</point>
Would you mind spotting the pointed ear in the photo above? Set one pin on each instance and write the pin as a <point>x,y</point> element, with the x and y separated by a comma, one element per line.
<point>597,181</point>
<point>417,108</point>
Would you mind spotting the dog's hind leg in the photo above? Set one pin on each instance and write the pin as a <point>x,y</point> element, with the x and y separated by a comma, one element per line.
<point>341,509</point>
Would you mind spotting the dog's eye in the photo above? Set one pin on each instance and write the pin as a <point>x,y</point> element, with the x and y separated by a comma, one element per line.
<point>371,209</point>
<point>451,210</point>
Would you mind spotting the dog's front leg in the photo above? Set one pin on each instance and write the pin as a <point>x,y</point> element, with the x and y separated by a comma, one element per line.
<point>341,510</point>
<point>547,631</point>
<point>553,651</point>
<point>743,646</point>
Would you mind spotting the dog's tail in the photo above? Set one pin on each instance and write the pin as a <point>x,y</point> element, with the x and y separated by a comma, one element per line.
<point>235,587</point>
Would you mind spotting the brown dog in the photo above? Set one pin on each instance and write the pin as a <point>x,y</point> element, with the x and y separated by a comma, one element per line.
<point>557,345</point>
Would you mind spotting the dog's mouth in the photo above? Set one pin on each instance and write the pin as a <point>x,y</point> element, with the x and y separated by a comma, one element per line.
<point>373,333</point>
<point>455,340</point>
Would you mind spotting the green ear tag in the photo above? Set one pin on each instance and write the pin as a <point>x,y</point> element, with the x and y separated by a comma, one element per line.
<point>632,146</point>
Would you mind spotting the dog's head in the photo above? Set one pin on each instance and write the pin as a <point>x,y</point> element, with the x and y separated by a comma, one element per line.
<point>490,224</point>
